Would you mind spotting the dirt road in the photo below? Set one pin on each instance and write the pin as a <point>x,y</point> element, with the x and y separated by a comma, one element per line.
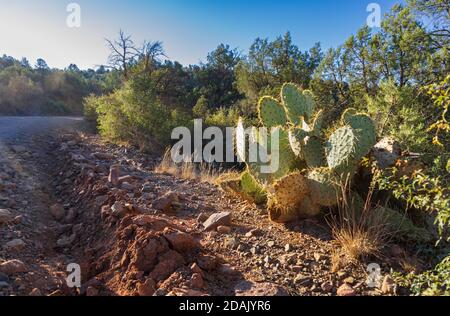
<point>30,264</point>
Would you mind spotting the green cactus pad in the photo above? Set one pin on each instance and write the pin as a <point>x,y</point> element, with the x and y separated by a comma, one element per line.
<point>252,188</point>
<point>297,104</point>
<point>323,187</point>
<point>271,113</point>
<point>243,185</point>
<point>313,152</point>
<point>347,113</point>
<point>340,150</point>
<point>365,132</point>
<point>316,127</point>
<point>310,104</point>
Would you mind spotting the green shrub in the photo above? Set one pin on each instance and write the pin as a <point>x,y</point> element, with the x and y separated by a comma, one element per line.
<point>435,282</point>
<point>222,117</point>
<point>133,114</point>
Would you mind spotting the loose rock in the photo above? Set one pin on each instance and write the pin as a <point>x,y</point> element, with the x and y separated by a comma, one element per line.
<point>5,216</point>
<point>346,290</point>
<point>13,267</point>
<point>216,220</point>
<point>249,288</point>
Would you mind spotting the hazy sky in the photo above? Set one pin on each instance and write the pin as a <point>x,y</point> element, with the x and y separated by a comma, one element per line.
<point>189,29</point>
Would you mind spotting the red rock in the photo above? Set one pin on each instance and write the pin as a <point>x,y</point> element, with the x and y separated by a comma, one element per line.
<point>346,290</point>
<point>207,263</point>
<point>13,267</point>
<point>196,269</point>
<point>146,288</point>
<point>168,263</point>
<point>224,230</point>
<point>181,242</point>
<point>166,202</point>
<point>197,281</point>
<point>249,288</point>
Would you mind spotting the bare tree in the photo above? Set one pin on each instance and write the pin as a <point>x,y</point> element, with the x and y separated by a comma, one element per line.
<point>123,52</point>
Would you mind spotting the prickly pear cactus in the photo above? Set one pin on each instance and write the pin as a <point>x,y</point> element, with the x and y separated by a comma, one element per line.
<point>311,168</point>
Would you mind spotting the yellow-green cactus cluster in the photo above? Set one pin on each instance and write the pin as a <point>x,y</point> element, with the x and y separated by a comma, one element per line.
<point>310,167</point>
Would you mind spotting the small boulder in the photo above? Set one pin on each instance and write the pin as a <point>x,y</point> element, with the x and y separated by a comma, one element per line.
<point>181,242</point>
<point>386,152</point>
<point>13,267</point>
<point>166,202</point>
<point>216,220</point>
<point>15,245</point>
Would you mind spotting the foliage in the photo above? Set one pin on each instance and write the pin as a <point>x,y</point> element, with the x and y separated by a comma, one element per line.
<point>422,192</point>
<point>31,91</point>
<point>398,112</point>
<point>435,282</point>
<point>440,94</point>
<point>133,114</point>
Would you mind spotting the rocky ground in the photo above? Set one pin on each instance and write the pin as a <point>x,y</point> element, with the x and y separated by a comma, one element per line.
<point>67,197</point>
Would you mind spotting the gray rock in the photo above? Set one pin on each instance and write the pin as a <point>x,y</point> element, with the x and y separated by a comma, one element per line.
<point>386,152</point>
<point>3,277</point>
<point>119,210</point>
<point>5,216</point>
<point>216,220</point>
<point>66,241</point>
<point>15,245</point>
<point>249,288</point>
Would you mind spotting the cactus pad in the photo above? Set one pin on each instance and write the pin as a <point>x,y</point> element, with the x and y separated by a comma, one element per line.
<point>271,113</point>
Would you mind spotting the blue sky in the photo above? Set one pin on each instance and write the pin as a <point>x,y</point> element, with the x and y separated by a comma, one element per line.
<point>189,29</point>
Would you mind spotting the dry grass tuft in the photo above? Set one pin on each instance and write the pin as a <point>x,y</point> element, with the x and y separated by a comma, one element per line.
<point>358,231</point>
<point>203,172</point>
